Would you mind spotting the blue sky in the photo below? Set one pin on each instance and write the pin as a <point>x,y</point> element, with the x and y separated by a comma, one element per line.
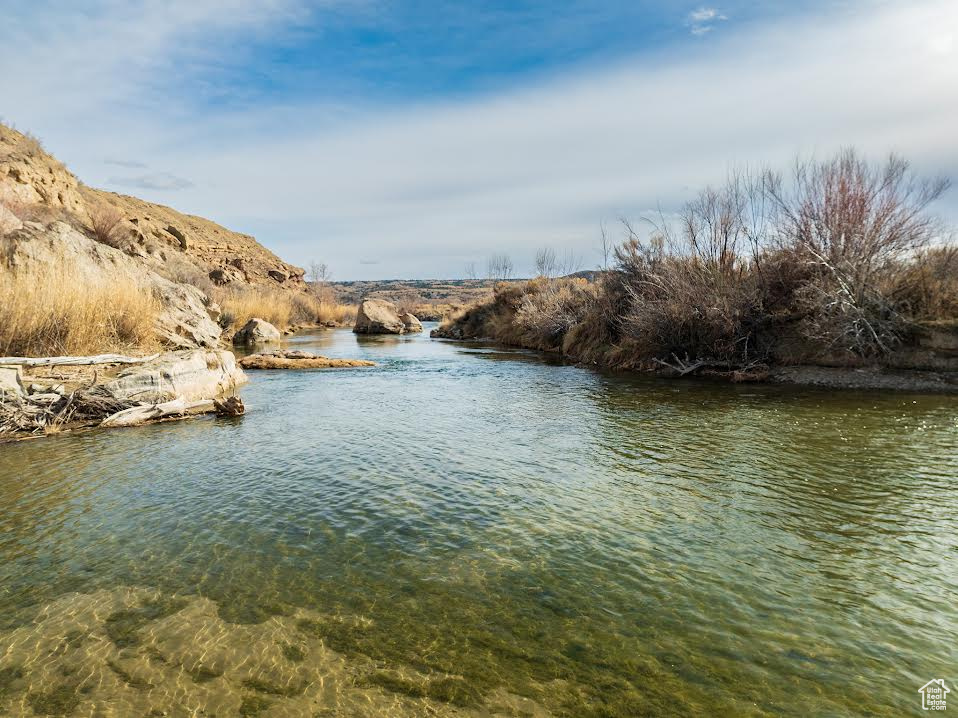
<point>405,139</point>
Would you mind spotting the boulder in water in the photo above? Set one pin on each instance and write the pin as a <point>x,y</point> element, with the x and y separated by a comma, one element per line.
<point>377,316</point>
<point>411,323</point>
<point>257,331</point>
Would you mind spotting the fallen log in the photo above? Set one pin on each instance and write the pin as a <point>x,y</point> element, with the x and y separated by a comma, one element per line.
<point>151,412</point>
<point>75,361</point>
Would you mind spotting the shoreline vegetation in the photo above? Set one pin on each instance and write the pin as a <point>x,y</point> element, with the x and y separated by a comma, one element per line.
<point>87,275</point>
<point>840,266</point>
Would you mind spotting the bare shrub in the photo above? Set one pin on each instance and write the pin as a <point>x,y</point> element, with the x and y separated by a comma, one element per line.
<point>549,264</point>
<point>692,292</point>
<point>843,258</point>
<point>105,221</point>
<point>858,225</point>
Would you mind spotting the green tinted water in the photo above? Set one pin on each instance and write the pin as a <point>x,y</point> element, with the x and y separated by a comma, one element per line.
<point>485,531</point>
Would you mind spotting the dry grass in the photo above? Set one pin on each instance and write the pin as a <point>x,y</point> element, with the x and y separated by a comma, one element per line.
<point>928,286</point>
<point>332,312</point>
<point>279,308</point>
<point>51,314</point>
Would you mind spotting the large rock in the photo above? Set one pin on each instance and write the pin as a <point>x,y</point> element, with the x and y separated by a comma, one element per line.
<point>377,316</point>
<point>411,323</point>
<point>257,331</point>
<point>183,321</point>
<point>298,360</point>
<point>190,375</point>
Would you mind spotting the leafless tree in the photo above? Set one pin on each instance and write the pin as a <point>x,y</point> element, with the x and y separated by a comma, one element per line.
<point>319,273</point>
<point>471,271</point>
<point>499,267</point>
<point>546,262</point>
<point>570,264</point>
<point>319,276</point>
<point>606,246</point>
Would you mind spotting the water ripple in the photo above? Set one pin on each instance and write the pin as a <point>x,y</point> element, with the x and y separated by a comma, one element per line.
<point>604,545</point>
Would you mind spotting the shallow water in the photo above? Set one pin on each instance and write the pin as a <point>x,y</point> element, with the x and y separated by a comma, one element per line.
<point>470,530</point>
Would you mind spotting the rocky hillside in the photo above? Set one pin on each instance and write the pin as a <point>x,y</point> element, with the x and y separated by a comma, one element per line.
<point>34,185</point>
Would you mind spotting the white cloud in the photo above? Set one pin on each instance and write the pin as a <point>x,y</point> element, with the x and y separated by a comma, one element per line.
<point>423,189</point>
<point>702,21</point>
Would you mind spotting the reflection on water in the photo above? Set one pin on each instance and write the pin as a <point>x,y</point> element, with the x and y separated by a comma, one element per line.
<point>471,531</point>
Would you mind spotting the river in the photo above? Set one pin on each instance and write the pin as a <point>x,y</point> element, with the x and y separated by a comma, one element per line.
<point>469,530</point>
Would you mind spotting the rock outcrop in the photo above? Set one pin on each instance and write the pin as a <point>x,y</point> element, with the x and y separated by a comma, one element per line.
<point>34,185</point>
<point>190,375</point>
<point>29,176</point>
<point>183,320</point>
<point>377,316</point>
<point>257,331</point>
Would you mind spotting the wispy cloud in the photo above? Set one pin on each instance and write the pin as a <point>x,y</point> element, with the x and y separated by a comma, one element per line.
<point>702,21</point>
<point>424,187</point>
<point>162,181</point>
<point>130,164</point>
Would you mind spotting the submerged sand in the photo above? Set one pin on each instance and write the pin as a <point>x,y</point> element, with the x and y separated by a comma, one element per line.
<point>138,652</point>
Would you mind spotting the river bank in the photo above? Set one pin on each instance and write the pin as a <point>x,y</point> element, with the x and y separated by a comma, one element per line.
<point>586,322</point>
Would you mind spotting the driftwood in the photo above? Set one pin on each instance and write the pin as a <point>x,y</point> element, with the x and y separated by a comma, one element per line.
<point>151,412</point>
<point>748,371</point>
<point>76,361</point>
<point>48,412</point>
<point>230,406</point>
<point>682,368</point>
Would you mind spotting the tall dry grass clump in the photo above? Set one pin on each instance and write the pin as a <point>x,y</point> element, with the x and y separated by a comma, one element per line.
<point>279,308</point>
<point>547,309</point>
<point>241,305</point>
<point>51,313</point>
